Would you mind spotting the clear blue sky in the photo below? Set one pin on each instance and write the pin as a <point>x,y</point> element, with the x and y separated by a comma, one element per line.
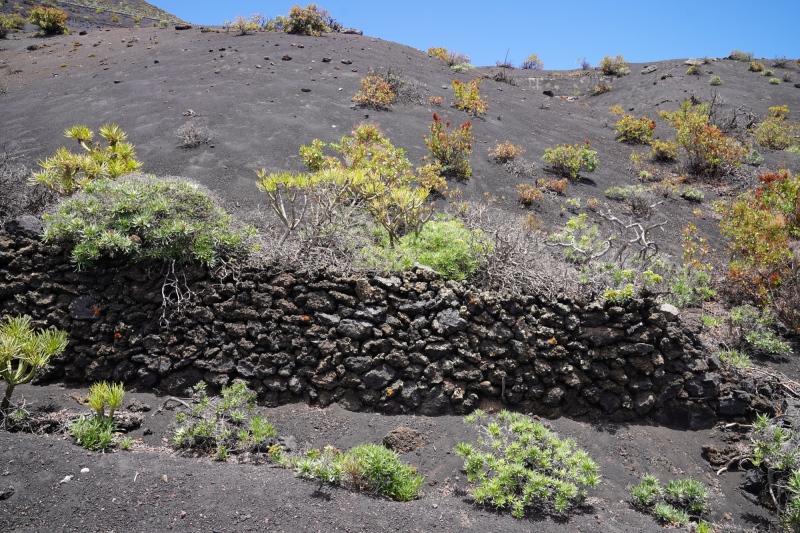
<point>559,31</point>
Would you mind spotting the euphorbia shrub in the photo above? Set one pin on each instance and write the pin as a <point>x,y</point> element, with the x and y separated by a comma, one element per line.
<point>763,230</point>
<point>452,149</point>
<point>709,151</point>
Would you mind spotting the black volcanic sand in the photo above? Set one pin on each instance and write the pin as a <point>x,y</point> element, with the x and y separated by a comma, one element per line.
<point>260,109</point>
<point>150,488</point>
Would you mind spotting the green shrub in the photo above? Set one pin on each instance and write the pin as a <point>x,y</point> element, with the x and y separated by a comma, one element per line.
<point>569,160</point>
<point>505,152</point>
<point>102,394</point>
<point>375,92</point>
<point>635,130</point>
<point>532,63</point>
<point>145,219</point>
<point>225,424</point>
<point>715,80</point>
<point>93,432</point>
<point>244,25</point>
<point>67,172</point>
<point>49,19</point>
<point>762,229</point>
<point>767,73</point>
<point>774,450</point>
<point>10,22</point>
<point>752,331</point>
<point>755,66</point>
<point>708,150</point>
<point>528,194</point>
<point>775,81</point>
<point>680,502</point>
<point>309,20</point>
<point>735,358</point>
<point>601,88</point>
<point>451,150</point>
<point>443,244</point>
<point>614,66</point>
<point>664,151</point>
<point>693,194</point>
<point>450,57</point>
<point>468,97</point>
<point>369,467</point>
<point>23,351</point>
<point>520,465</point>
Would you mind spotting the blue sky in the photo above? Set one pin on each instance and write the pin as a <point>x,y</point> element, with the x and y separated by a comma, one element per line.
<point>560,32</point>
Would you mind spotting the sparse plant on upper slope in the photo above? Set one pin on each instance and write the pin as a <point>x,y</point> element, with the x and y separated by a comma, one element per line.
<point>505,152</point>
<point>310,20</point>
<point>532,62</point>
<point>49,19</point>
<point>375,92</point>
<point>776,132</point>
<point>569,160</point>
<point>468,97</point>
<point>614,66</point>
<point>635,130</point>
<point>709,152</point>
<point>451,150</point>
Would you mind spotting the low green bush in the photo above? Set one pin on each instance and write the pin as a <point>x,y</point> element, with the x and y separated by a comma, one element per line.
<point>752,331</point>
<point>519,465</point>
<point>715,80</point>
<point>681,501</point>
<point>369,467</point>
<point>146,219</point>
<point>224,424</point>
<point>93,432</point>
<point>635,130</point>
<point>443,244</point>
<point>569,160</point>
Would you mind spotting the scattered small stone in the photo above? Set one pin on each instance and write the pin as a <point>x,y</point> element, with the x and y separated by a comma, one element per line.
<point>326,59</point>
<point>346,62</point>
<point>266,58</point>
<point>84,470</point>
<point>305,90</point>
<point>649,69</point>
<point>156,61</point>
<point>183,27</point>
<point>7,493</point>
<point>82,32</point>
<point>117,81</point>
<point>258,66</point>
<point>301,46</point>
<point>66,479</point>
<point>287,57</point>
<point>183,514</point>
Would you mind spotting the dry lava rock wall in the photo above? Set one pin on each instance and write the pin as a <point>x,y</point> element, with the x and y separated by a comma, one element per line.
<point>395,343</point>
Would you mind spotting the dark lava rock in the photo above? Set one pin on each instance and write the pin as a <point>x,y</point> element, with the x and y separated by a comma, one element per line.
<point>435,403</point>
<point>183,27</point>
<point>354,329</point>
<point>287,57</point>
<point>403,440</point>
<point>753,481</point>
<point>378,378</point>
<point>26,226</point>
<point>7,493</point>
<point>449,321</point>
